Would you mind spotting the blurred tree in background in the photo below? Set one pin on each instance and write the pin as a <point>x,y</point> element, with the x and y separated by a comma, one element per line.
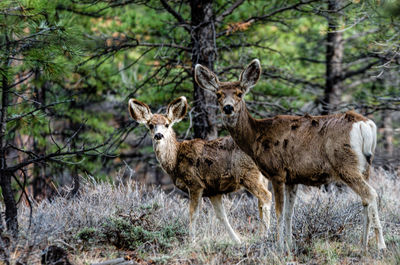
<point>46,133</point>
<point>68,68</point>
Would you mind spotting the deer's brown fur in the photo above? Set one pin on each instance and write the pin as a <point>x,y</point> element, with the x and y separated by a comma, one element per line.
<point>291,150</point>
<point>202,168</point>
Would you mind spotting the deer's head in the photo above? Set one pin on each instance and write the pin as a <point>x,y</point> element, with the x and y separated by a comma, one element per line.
<point>159,125</point>
<point>230,94</point>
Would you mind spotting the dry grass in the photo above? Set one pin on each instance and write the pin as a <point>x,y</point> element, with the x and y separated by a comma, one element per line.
<point>112,220</point>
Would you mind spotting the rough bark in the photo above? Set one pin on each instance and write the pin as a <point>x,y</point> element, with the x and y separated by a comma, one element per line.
<point>10,205</point>
<point>204,52</point>
<point>6,176</point>
<point>334,57</point>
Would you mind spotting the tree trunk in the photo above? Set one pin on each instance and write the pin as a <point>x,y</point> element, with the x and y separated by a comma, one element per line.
<point>387,133</point>
<point>5,176</point>
<point>39,183</point>
<point>9,201</point>
<point>334,57</point>
<point>204,52</point>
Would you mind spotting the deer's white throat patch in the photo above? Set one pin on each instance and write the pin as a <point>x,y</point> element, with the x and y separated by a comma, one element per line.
<point>166,152</point>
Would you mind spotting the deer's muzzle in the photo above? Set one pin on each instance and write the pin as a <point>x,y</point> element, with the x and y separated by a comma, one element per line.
<point>228,109</point>
<point>158,136</point>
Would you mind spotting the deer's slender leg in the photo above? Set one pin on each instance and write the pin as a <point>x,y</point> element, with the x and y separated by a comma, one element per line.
<point>368,196</point>
<point>290,199</point>
<point>195,203</point>
<point>221,215</point>
<point>367,221</point>
<point>259,188</point>
<point>366,227</point>
<point>279,195</point>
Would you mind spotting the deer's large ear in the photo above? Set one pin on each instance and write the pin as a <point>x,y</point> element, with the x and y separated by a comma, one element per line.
<point>177,109</point>
<point>249,77</point>
<point>205,78</point>
<point>139,111</point>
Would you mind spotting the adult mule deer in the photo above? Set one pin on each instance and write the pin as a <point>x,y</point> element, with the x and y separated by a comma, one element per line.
<point>291,150</point>
<point>202,168</point>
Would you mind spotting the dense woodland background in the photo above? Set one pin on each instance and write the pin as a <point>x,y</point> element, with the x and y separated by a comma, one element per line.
<point>68,68</point>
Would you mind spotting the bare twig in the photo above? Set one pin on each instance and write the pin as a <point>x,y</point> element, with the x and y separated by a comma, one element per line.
<point>229,10</point>
<point>178,16</point>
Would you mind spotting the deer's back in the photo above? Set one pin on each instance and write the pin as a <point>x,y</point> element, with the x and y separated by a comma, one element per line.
<point>305,149</point>
<point>217,166</point>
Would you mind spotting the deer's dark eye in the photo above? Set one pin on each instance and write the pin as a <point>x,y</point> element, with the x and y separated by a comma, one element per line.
<point>167,125</point>
<point>219,95</point>
<point>151,126</point>
<point>240,94</point>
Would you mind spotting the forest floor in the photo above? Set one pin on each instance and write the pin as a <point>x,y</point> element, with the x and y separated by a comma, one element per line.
<point>147,225</point>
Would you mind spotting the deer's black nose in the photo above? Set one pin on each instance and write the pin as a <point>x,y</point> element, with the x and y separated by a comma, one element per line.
<point>158,136</point>
<point>228,109</point>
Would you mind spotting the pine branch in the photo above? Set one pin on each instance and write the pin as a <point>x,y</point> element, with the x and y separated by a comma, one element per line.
<point>36,110</point>
<point>229,10</point>
<point>265,17</point>
<point>178,16</point>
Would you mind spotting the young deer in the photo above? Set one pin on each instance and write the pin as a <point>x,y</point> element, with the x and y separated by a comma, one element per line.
<point>202,168</point>
<point>291,150</point>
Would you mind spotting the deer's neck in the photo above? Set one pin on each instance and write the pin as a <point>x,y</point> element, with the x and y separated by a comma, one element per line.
<point>167,152</point>
<point>243,130</point>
